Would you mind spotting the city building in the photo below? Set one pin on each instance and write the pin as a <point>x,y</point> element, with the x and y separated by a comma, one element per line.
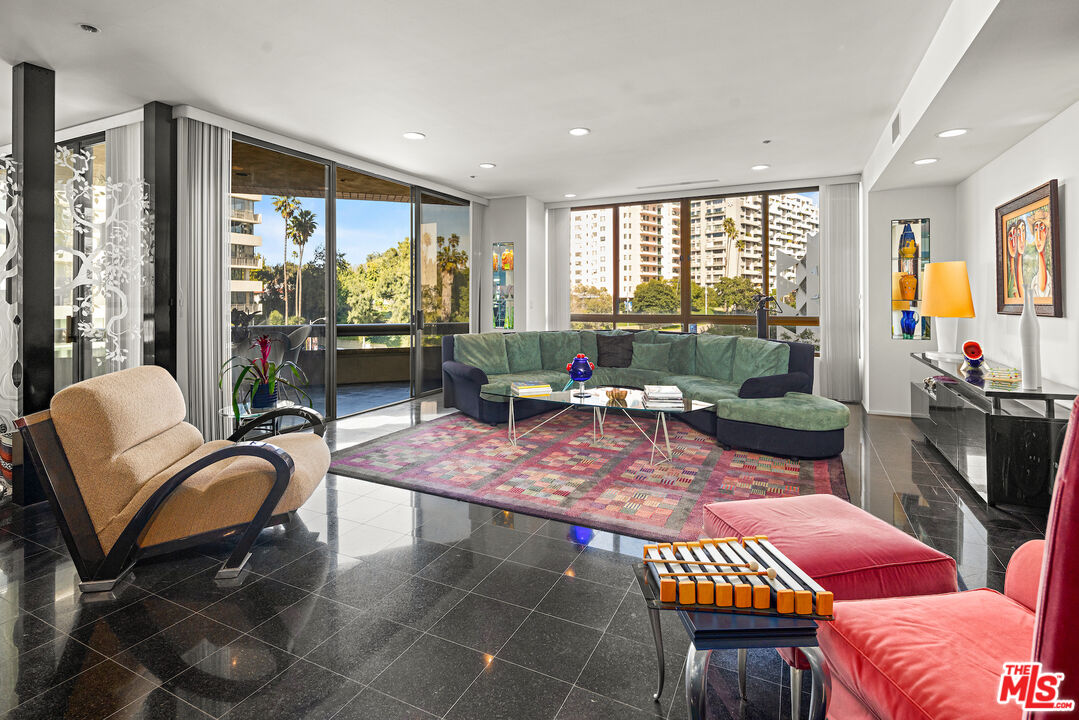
<point>244,290</point>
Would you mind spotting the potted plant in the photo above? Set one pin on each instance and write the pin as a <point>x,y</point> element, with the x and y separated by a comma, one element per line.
<point>260,380</point>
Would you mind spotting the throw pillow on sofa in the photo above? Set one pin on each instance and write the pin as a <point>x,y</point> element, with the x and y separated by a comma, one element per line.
<point>770,386</point>
<point>614,350</point>
<point>588,341</point>
<point>682,360</point>
<point>649,356</point>
<point>523,351</point>
<point>715,356</point>
<point>558,347</point>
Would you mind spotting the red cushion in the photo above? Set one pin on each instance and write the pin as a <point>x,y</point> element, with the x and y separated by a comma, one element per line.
<point>848,551</point>
<point>934,656</point>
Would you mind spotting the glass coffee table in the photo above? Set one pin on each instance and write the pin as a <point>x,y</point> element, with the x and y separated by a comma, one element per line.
<point>596,399</point>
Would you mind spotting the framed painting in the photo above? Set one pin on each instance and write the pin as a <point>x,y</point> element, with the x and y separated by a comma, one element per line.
<point>1028,253</point>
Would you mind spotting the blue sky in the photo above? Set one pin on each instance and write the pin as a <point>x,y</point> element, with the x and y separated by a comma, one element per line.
<point>363,226</point>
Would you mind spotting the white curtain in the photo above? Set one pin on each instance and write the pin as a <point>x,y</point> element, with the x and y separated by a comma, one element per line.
<point>204,155</point>
<point>839,315</point>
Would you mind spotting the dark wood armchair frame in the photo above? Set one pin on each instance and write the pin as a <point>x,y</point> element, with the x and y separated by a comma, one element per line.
<point>100,571</point>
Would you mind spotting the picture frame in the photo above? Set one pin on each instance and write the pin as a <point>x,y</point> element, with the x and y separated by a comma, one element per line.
<point>1028,246</point>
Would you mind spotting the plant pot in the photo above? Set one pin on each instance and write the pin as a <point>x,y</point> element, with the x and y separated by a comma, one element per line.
<point>263,399</point>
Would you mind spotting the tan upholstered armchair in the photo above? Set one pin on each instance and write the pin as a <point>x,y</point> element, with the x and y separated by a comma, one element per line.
<point>128,478</point>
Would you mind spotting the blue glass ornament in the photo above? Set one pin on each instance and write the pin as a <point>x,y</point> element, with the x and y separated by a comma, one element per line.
<point>580,371</point>
<point>908,324</point>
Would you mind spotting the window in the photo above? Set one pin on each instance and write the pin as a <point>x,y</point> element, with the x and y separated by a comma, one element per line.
<point>737,247</point>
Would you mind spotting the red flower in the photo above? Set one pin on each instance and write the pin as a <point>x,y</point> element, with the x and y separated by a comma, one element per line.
<point>263,344</point>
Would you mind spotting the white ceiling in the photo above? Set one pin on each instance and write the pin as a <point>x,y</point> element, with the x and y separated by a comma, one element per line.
<point>1021,70</point>
<point>674,93</point>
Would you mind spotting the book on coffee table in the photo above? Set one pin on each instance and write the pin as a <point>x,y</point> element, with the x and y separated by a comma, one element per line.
<point>527,390</point>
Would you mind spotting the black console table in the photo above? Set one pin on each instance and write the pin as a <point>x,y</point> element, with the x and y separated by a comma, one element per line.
<point>1005,443</point>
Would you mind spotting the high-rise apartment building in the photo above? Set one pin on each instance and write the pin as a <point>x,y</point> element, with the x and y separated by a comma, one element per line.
<point>649,238</point>
<point>243,259</point>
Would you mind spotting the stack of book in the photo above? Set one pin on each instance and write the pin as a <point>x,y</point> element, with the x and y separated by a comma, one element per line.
<point>1002,378</point>
<point>663,397</point>
<point>527,390</point>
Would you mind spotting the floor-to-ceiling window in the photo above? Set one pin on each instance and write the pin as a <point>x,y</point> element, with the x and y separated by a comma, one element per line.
<point>698,263</point>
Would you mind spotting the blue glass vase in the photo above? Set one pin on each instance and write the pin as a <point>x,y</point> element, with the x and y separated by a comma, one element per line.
<point>580,371</point>
<point>908,324</point>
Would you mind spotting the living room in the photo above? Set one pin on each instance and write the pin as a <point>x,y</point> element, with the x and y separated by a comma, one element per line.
<point>538,360</point>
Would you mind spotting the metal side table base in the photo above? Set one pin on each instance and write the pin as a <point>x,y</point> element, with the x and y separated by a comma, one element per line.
<point>697,681</point>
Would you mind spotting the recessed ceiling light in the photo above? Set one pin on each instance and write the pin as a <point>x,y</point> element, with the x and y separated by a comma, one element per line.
<point>765,142</point>
<point>86,27</point>
<point>579,131</point>
<point>570,195</point>
<point>414,136</point>
<point>487,166</point>
<point>925,161</point>
<point>952,133</point>
<point>760,167</point>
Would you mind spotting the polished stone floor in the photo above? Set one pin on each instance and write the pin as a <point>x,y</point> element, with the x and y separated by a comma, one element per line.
<point>382,603</point>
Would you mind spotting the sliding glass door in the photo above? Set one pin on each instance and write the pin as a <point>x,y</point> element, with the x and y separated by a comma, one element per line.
<point>443,229</point>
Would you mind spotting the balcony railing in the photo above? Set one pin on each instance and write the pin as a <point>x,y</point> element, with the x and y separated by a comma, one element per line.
<point>245,261</point>
<point>246,215</point>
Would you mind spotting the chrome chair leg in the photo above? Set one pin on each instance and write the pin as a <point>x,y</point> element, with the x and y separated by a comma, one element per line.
<point>697,681</point>
<point>796,692</point>
<point>818,699</point>
<point>743,655</point>
<point>657,635</point>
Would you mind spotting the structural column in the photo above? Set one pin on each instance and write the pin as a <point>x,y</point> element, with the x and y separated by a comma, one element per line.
<point>159,170</point>
<point>33,125</point>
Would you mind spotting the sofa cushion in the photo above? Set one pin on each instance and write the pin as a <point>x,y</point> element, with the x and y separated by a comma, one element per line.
<point>614,350</point>
<point>523,351</point>
<point>795,411</point>
<point>588,341</point>
<point>682,360</point>
<point>715,356</point>
<point>768,386</point>
<point>487,351</point>
<point>625,377</point>
<point>558,347</point>
<point>498,386</point>
<point>645,336</point>
<point>650,356</point>
<point>754,357</point>
<point>933,656</point>
<point>704,389</point>
<point>853,554</point>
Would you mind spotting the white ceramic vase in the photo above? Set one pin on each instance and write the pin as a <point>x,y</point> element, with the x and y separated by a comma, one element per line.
<point>1030,343</point>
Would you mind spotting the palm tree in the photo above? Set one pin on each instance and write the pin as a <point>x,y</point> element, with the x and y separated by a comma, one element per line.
<point>304,225</point>
<point>286,206</point>
<point>451,261</point>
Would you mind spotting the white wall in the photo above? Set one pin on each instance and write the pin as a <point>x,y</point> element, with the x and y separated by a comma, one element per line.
<point>521,221</point>
<point>887,361</point>
<point>535,267</point>
<point>558,263</point>
<point>1050,152</point>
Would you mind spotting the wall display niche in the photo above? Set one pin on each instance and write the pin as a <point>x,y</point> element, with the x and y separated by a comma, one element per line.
<point>502,284</point>
<point>910,255</point>
<point>1028,252</point>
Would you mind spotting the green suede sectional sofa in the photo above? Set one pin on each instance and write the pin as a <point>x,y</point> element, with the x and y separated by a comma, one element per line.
<point>762,389</point>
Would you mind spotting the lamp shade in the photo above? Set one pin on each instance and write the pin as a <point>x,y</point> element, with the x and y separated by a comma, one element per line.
<point>898,303</point>
<point>946,290</point>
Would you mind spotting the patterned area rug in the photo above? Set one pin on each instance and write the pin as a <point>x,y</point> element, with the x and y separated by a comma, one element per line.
<point>558,472</point>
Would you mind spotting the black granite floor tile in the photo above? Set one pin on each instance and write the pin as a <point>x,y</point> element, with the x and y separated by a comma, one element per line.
<point>362,586</point>
<point>546,553</point>
<point>582,704</point>
<point>446,669</point>
<point>203,589</point>
<point>418,603</point>
<point>762,663</point>
<point>97,693</point>
<point>604,566</point>
<point>373,705</point>
<point>518,584</point>
<point>364,648</point>
<point>364,540</point>
<point>366,510</point>
<point>302,626</point>
<point>222,680</point>
<point>254,604</point>
<point>315,569</point>
<point>159,704</point>
<point>494,540</point>
<point>520,522</point>
<point>461,568</point>
<point>631,621</point>
<point>480,623</point>
<point>409,554</point>
<point>447,524</point>
<point>582,601</point>
<point>35,671</point>
<point>626,671</point>
<point>24,632</point>
<point>16,549</point>
<point>304,690</point>
<point>511,692</point>
<point>173,650</point>
<point>389,493</point>
<point>1010,539</point>
<point>551,646</point>
<point>399,518</point>
<point>130,625</point>
<point>161,572</point>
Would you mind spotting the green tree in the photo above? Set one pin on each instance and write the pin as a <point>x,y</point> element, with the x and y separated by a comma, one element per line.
<point>735,292</point>
<point>657,297</point>
<point>303,225</point>
<point>286,206</point>
<point>378,289</point>
<point>590,299</point>
<point>730,227</point>
<point>452,262</point>
<point>275,318</point>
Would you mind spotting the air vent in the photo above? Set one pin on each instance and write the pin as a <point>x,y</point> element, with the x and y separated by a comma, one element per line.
<point>895,128</point>
<point>676,184</point>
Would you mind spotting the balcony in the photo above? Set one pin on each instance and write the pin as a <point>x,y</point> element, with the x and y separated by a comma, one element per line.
<point>245,239</point>
<point>247,261</point>
<point>245,215</point>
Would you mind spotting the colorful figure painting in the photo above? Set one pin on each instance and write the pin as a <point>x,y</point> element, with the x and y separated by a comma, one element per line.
<point>1028,252</point>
